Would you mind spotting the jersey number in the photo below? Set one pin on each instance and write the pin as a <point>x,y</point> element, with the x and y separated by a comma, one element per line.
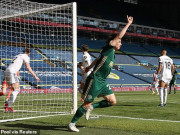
<point>168,65</point>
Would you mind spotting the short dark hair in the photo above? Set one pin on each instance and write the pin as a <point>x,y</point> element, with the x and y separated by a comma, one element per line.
<point>163,50</point>
<point>84,47</point>
<point>26,50</point>
<point>111,37</point>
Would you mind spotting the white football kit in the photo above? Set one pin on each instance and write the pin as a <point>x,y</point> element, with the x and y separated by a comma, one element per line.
<point>155,84</point>
<point>86,61</point>
<point>10,73</point>
<point>166,73</point>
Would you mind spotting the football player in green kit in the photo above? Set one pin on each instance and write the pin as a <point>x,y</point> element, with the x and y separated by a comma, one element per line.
<point>173,81</point>
<point>96,82</point>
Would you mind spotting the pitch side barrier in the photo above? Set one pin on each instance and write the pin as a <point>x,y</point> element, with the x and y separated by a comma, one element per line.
<point>69,90</point>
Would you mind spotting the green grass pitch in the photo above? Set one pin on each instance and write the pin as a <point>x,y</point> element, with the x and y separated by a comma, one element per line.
<point>136,113</point>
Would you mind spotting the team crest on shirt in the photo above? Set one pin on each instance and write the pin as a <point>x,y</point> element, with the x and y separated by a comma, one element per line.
<point>85,57</point>
<point>111,64</point>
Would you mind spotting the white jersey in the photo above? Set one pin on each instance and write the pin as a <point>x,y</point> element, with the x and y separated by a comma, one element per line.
<point>166,67</point>
<point>17,63</point>
<point>86,60</point>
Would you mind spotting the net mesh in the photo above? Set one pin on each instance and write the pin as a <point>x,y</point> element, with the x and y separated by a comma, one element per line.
<point>47,30</point>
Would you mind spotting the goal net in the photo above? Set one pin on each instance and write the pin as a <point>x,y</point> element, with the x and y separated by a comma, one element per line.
<point>49,31</point>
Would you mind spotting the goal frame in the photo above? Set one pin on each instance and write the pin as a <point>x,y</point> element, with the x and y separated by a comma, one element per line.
<point>74,55</point>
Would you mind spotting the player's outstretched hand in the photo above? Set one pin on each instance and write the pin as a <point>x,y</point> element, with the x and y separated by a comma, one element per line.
<point>37,79</point>
<point>129,19</point>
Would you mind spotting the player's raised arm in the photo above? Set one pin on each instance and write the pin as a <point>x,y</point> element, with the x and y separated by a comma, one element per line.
<point>31,71</point>
<point>123,31</point>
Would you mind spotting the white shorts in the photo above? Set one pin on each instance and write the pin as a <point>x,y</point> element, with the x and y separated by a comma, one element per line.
<point>84,76</point>
<point>11,78</point>
<point>166,80</point>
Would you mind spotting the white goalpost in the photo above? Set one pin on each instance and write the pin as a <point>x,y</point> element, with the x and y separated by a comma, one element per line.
<point>50,31</point>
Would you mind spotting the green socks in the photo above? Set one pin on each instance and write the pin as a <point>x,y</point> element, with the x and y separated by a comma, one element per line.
<point>101,104</point>
<point>79,113</point>
<point>82,110</point>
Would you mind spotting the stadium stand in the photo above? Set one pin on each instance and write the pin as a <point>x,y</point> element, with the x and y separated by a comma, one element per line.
<point>132,55</point>
<point>124,80</point>
<point>148,59</point>
<point>134,49</point>
<point>133,73</point>
<point>46,74</point>
<point>156,50</point>
<point>93,44</point>
<point>174,49</point>
<point>139,72</point>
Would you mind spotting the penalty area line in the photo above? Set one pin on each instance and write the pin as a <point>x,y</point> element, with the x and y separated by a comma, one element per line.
<point>132,118</point>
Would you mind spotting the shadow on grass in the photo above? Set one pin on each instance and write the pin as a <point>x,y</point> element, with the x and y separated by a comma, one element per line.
<point>127,105</point>
<point>38,127</point>
<point>138,105</point>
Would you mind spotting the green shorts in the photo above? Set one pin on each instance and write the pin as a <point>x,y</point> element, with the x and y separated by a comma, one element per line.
<point>172,82</point>
<point>95,86</point>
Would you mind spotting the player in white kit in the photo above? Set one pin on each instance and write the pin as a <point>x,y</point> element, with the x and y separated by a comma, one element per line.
<point>155,84</point>
<point>165,70</point>
<point>86,61</point>
<point>11,77</point>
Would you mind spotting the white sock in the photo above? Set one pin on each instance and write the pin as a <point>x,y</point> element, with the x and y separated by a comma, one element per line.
<point>157,90</point>
<point>161,94</point>
<point>91,107</point>
<point>165,95</point>
<point>150,88</point>
<point>13,97</point>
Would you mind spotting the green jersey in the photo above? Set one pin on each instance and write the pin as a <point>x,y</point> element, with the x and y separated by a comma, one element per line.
<point>105,63</point>
<point>174,76</point>
<point>96,81</point>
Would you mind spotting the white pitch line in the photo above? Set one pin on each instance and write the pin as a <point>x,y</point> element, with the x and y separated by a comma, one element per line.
<point>132,118</point>
<point>29,111</point>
